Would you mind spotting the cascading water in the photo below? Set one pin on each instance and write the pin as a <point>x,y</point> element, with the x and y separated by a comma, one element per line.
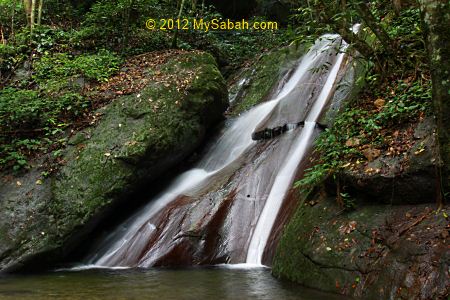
<point>223,210</point>
<point>286,175</point>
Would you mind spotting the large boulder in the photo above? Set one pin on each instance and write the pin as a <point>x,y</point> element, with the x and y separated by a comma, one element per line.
<point>393,245</point>
<point>136,139</point>
<point>374,252</point>
<point>408,179</point>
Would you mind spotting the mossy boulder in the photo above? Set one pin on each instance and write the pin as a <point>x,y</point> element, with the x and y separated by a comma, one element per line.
<point>135,139</point>
<point>385,248</point>
<point>374,252</point>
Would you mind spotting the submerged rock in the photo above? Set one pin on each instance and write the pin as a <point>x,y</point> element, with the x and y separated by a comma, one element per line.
<point>137,139</point>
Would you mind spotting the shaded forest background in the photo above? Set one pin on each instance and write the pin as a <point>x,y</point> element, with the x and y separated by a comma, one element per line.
<point>57,59</point>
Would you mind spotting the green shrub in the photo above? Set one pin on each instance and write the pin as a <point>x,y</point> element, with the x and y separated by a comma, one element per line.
<point>97,67</point>
<point>26,115</point>
<point>20,108</point>
<point>404,102</point>
<point>9,58</point>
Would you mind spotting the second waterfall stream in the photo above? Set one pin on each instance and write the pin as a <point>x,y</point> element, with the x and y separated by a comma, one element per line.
<point>225,209</point>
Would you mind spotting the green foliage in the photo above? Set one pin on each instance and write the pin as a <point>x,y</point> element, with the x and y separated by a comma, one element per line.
<point>15,153</point>
<point>9,58</point>
<point>26,116</point>
<point>28,111</point>
<point>42,39</point>
<point>404,102</point>
<point>348,201</point>
<point>402,48</point>
<point>120,25</point>
<point>9,8</point>
<point>98,66</point>
<point>20,108</point>
<point>22,45</point>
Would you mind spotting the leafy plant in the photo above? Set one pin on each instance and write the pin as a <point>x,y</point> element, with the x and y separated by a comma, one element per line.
<point>404,102</point>
<point>99,66</point>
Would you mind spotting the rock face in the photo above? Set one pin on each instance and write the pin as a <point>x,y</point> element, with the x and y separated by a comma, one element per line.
<point>386,248</point>
<point>260,82</point>
<point>137,138</point>
<point>408,179</point>
<point>374,252</point>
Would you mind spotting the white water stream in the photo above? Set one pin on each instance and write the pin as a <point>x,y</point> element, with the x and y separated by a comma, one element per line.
<point>126,243</point>
<point>285,177</point>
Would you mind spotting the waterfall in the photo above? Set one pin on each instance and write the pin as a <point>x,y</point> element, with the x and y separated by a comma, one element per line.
<point>223,209</point>
<point>285,177</point>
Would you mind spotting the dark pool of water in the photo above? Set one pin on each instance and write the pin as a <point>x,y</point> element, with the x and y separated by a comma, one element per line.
<point>197,283</point>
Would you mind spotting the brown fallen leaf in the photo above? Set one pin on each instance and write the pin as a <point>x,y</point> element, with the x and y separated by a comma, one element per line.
<point>371,153</point>
<point>379,103</point>
<point>352,142</point>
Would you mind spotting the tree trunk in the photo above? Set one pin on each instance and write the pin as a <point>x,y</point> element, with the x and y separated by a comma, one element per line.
<point>436,28</point>
<point>2,35</point>
<point>380,33</point>
<point>397,4</point>
<point>175,36</point>
<point>13,14</point>
<point>41,3</point>
<point>27,7</point>
<point>32,14</point>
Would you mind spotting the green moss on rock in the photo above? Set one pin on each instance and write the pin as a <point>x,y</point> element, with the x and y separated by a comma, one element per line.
<point>137,138</point>
<point>261,79</point>
<point>374,252</point>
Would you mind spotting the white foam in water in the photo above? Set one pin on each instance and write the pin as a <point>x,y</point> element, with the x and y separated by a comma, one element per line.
<point>90,267</point>
<point>243,266</point>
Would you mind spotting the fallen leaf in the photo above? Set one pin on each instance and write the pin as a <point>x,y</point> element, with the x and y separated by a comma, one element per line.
<point>379,103</point>
<point>371,153</point>
<point>351,142</point>
<point>419,151</point>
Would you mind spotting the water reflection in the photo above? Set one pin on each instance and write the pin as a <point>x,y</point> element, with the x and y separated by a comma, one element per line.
<point>196,283</point>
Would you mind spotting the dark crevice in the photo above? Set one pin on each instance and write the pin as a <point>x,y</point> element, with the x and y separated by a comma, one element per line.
<point>323,266</point>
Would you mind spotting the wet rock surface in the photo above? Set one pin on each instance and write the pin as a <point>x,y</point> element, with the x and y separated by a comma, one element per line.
<point>136,139</point>
<point>270,133</point>
<point>210,214</point>
<point>263,80</point>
